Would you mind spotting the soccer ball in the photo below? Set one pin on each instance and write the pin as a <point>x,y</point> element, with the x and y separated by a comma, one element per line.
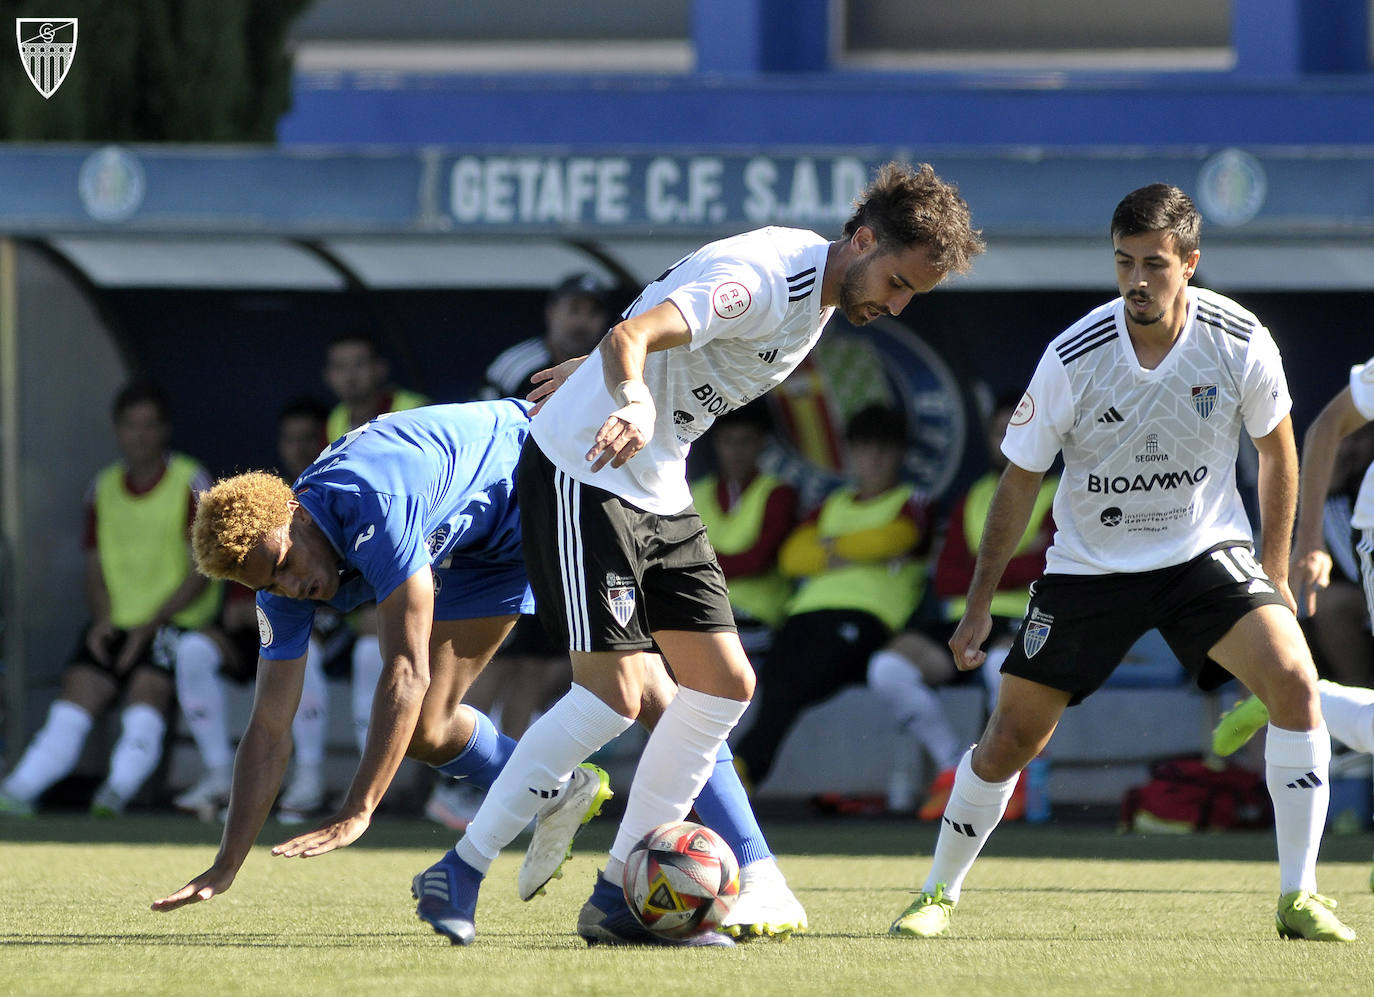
<point>681,879</point>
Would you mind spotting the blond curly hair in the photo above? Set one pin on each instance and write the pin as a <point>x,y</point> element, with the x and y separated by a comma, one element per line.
<point>233,517</point>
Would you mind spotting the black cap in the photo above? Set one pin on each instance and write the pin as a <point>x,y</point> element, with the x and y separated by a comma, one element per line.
<point>584,284</point>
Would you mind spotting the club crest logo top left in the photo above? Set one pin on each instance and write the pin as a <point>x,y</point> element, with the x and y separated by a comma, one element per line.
<point>47,47</point>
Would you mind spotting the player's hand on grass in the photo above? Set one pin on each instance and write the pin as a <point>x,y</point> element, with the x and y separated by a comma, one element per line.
<point>336,832</point>
<point>209,883</point>
<point>548,380</point>
<point>968,639</point>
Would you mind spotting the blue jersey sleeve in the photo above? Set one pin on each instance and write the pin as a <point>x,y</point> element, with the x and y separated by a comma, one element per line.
<point>284,627</point>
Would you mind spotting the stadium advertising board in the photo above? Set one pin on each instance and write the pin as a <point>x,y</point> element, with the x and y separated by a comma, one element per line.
<point>318,191</point>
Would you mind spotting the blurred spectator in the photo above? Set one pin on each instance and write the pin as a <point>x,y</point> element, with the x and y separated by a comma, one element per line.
<point>360,378</point>
<point>141,593</point>
<point>861,558</point>
<point>576,316</point>
<point>228,648</point>
<point>748,514</point>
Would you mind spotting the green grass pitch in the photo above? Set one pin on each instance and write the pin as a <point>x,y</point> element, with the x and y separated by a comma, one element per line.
<point>1060,908</point>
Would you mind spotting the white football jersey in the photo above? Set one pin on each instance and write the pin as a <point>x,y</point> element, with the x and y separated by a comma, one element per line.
<point>1149,455</point>
<point>752,303</point>
<point>1362,391</point>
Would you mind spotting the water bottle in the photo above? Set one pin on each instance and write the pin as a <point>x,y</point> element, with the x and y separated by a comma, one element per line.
<point>1038,789</point>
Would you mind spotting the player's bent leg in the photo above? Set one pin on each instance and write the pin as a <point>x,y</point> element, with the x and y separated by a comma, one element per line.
<point>606,919</point>
<point>1026,715</point>
<point>1266,650</point>
<point>459,651</point>
<point>537,774</point>
<point>677,760</point>
<point>447,898</point>
<point>765,907</point>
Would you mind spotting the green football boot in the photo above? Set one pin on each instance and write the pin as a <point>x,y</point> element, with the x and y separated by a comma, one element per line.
<point>927,917</point>
<point>1310,916</point>
<point>1238,725</point>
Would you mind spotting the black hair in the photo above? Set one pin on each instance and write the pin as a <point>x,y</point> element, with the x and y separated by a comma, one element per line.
<point>877,424</point>
<point>1159,207</point>
<point>755,414</point>
<point>303,405</point>
<point>141,393</point>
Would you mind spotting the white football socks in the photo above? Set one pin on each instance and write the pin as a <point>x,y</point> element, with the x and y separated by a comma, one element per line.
<point>201,697</point>
<point>543,760</point>
<point>138,749</point>
<point>914,705</point>
<point>367,672</point>
<point>312,715</point>
<point>975,807</point>
<point>677,760</point>
<point>52,753</point>
<point>1349,714</point>
<point>1296,772</point>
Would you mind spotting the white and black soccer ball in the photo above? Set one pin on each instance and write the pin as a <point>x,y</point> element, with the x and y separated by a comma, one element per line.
<point>681,879</point>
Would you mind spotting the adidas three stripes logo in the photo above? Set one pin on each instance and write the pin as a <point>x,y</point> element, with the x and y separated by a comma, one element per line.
<point>965,829</point>
<point>1309,781</point>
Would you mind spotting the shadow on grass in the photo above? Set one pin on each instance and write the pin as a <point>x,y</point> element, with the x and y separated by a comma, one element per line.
<point>275,940</point>
<point>1083,840</point>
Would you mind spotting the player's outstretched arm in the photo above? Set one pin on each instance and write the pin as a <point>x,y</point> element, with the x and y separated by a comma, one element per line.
<point>1278,502</point>
<point>259,765</point>
<point>1008,515</point>
<point>404,621</point>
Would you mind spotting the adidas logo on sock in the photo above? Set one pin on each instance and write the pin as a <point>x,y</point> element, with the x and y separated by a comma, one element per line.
<point>1309,781</point>
<point>1111,415</point>
<point>546,794</point>
<point>965,829</point>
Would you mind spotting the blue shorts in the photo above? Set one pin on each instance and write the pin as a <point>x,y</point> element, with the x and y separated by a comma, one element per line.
<point>466,589</point>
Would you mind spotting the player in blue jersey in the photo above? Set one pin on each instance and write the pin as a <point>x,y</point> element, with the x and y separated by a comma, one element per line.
<point>417,511</point>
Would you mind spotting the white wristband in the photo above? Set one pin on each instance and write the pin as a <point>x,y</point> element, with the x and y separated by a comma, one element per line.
<point>636,407</point>
<point>630,392</point>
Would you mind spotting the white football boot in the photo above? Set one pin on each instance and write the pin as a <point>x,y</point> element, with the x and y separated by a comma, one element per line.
<point>766,906</point>
<point>558,824</point>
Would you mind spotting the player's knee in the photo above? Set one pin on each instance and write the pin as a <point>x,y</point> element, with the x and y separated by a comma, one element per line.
<point>429,739</point>
<point>1004,749</point>
<point>1291,696</point>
